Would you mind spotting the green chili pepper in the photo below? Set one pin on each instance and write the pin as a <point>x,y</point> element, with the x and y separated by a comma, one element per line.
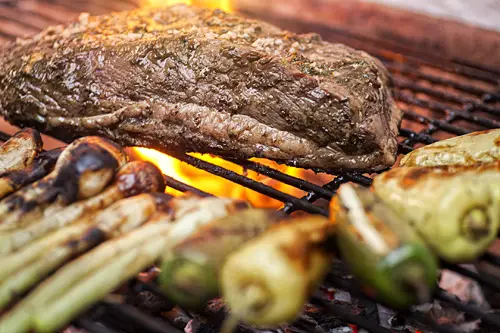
<point>190,270</point>
<point>381,249</point>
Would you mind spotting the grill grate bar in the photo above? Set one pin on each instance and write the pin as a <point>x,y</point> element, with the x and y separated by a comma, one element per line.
<point>250,183</point>
<point>431,323</point>
<point>482,278</point>
<point>339,311</point>
<point>284,178</point>
<point>394,52</point>
<point>28,19</point>
<point>418,137</point>
<point>470,103</point>
<point>436,106</point>
<point>461,70</point>
<point>494,260</point>
<point>437,123</point>
<point>148,323</point>
<point>407,71</point>
<point>477,66</point>
<point>313,196</point>
<point>411,314</point>
<point>182,187</point>
<point>91,326</point>
<point>469,308</point>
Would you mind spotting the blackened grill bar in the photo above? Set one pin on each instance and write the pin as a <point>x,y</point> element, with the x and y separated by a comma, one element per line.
<point>438,111</point>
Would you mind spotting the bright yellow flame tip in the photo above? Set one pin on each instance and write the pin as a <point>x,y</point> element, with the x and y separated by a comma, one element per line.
<point>224,5</point>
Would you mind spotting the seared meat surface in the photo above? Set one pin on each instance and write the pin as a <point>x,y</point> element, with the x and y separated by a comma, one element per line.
<point>199,80</point>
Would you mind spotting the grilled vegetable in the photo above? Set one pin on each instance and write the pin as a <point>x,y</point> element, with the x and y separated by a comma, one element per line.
<point>82,170</point>
<point>469,149</point>
<point>189,273</point>
<point>268,280</point>
<point>455,209</point>
<point>89,278</point>
<point>133,178</point>
<point>42,164</point>
<point>20,150</point>
<point>381,248</point>
<point>23,269</point>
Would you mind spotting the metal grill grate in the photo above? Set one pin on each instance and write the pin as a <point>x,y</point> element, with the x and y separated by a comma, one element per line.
<point>440,98</point>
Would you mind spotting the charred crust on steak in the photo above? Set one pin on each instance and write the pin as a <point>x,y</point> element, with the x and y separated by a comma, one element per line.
<point>190,79</point>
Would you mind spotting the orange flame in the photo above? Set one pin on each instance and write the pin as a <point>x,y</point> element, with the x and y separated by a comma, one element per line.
<point>214,184</point>
<point>222,187</point>
<point>225,5</point>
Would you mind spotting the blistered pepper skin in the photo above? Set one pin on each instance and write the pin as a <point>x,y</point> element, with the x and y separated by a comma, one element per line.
<point>190,270</point>
<point>469,149</point>
<point>382,251</point>
<point>455,209</point>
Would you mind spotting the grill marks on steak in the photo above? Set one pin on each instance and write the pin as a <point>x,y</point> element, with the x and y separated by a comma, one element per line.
<point>191,79</point>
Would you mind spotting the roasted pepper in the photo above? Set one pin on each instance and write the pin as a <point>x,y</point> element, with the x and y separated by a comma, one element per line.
<point>455,209</point>
<point>267,281</point>
<point>190,270</point>
<point>469,149</point>
<point>381,249</point>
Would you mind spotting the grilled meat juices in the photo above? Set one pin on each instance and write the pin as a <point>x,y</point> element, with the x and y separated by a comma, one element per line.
<point>200,80</point>
<point>382,249</point>
<point>455,209</point>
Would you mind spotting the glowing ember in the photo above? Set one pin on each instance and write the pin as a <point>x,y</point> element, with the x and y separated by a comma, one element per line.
<point>225,5</point>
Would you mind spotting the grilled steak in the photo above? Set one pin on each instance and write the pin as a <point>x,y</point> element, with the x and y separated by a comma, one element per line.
<point>200,80</point>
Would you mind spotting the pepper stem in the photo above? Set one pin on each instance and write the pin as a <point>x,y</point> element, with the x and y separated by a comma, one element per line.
<point>414,280</point>
<point>254,297</point>
<point>476,224</point>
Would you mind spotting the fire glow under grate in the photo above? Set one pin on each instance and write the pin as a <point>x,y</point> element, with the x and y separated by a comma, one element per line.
<point>440,99</point>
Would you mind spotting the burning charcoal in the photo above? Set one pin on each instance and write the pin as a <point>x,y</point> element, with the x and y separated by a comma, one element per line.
<point>467,290</point>
<point>42,164</point>
<point>446,315</point>
<point>199,326</point>
<point>82,170</point>
<point>20,150</point>
<point>150,303</point>
<point>316,317</point>
<point>388,318</point>
<point>178,317</point>
<point>73,329</point>
<point>133,178</point>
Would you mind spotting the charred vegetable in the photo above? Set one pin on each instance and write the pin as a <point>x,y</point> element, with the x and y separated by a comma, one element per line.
<point>42,164</point>
<point>20,150</point>
<point>469,149</point>
<point>455,209</point>
<point>82,170</point>
<point>267,281</point>
<point>190,270</point>
<point>92,276</point>
<point>23,269</point>
<point>381,248</point>
<point>133,178</point>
